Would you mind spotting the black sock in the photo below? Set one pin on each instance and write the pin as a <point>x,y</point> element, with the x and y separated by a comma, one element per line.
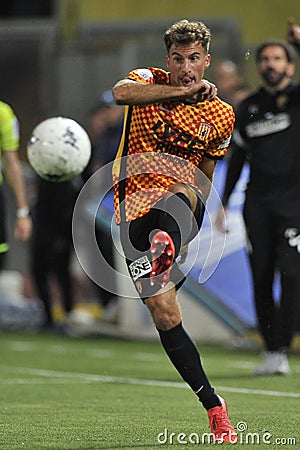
<point>186,359</point>
<point>176,220</point>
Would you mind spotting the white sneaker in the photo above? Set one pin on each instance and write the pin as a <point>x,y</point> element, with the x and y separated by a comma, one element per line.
<point>275,363</point>
<point>283,364</point>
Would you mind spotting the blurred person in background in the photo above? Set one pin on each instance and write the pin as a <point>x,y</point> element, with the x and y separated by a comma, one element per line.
<point>52,247</point>
<point>231,85</point>
<point>105,123</point>
<point>173,136</point>
<point>266,137</point>
<point>9,145</point>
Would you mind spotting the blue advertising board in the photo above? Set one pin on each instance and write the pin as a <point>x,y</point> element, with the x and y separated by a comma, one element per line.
<point>221,266</point>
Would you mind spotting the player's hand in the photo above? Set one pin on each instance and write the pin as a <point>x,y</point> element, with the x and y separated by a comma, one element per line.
<point>220,221</point>
<point>203,90</point>
<point>293,31</point>
<point>207,92</point>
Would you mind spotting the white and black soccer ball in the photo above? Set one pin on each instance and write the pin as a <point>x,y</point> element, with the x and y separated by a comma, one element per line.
<point>59,149</point>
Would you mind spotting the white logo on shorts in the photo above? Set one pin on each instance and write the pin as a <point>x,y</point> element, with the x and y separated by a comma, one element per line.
<point>140,267</point>
<point>293,236</point>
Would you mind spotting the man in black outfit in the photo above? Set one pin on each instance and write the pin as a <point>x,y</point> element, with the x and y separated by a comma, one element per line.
<point>267,137</point>
<point>52,245</point>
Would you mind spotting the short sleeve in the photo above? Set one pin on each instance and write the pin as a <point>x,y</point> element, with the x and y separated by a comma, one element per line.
<point>141,75</point>
<point>9,128</point>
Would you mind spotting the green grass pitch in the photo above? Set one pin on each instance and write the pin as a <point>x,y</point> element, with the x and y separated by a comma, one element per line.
<point>60,393</point>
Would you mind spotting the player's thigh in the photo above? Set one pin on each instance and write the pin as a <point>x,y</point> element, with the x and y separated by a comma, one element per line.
<point>187,190</point>
<point>135,239</point>
<point>136,235</point>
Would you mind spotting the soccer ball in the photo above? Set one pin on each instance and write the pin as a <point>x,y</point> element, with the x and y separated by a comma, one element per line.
<point>58,149</point>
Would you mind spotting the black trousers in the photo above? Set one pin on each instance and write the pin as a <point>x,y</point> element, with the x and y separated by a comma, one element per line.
<point>272,230</point>
<point>105,244</point>
<point>51,253</point>
<point>52,244</point>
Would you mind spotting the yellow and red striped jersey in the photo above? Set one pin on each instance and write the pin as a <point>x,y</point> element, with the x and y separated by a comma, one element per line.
<point>163,144</point>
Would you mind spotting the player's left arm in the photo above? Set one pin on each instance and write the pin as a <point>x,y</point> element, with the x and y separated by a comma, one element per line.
<point>14,176</point>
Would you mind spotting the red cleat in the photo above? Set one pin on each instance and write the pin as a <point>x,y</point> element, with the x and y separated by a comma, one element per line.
<point>163,252</point>
<point>220,425</point>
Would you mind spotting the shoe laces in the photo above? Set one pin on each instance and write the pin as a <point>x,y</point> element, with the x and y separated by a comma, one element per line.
<point>219,422</point>
<point>220,425</point>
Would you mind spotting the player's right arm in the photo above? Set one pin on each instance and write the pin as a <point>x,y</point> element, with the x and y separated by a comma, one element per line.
<point>9,131</point>
<point>130,92</point>
<point>15,180</point>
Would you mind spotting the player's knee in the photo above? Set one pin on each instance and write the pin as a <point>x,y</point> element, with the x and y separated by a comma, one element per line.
<point>180,188</point>
<point>165,316</point>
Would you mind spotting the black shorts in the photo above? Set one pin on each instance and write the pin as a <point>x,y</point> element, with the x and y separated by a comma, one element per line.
<point>136,239</point>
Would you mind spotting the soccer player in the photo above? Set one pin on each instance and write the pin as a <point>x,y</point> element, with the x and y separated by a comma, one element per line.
<point>9,144</point>
<point>174,132</point>
<point>267,137</point>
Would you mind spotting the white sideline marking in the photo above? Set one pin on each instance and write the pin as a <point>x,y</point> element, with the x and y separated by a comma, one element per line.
<point>151,357</point>
<point>101,353</point>
<point>241,364</point>
<point>20,346</point>
<point>90,378</point>
<point>138,356</point>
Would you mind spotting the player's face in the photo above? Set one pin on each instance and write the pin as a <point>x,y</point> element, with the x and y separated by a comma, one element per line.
<point>187,63</point>
<point>274,67</point>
